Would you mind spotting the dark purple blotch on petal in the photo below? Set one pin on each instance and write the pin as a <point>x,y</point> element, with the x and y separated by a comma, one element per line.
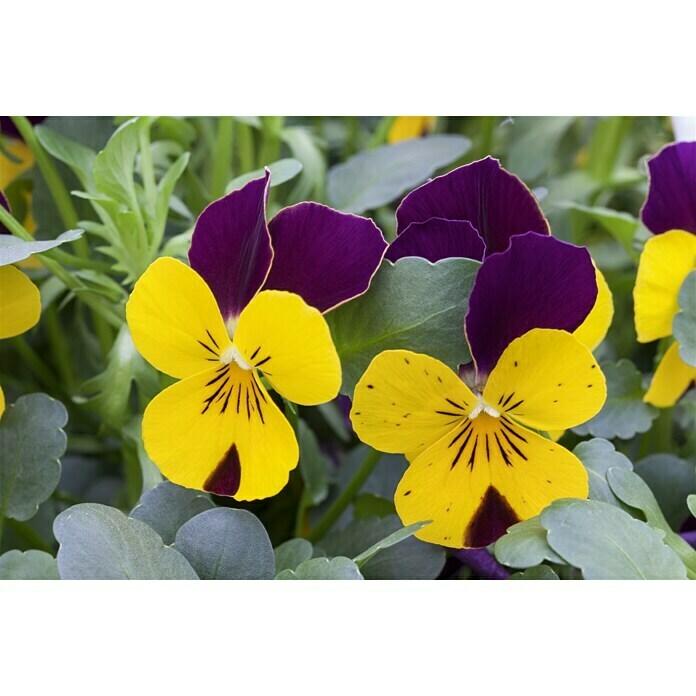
<point>492,199</point>
<point>490,521</point>
<point>671,201</point>
<point>231,247</point>
<point>324,256</point>
<point>437,239</point>
<point>539,283</point>
<point>227,475</point>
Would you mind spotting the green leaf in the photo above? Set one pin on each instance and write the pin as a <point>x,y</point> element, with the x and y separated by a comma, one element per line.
<point>540,572</point>
<point>621,226</point>
<point>535,144</point>
<point>671,480</point>
<point>167,507</point>
<point>227,544</point>
<point>412,304</point>
<point>291,553</point>
<point>624,413</point>
<point>410,559</point>
<point>525,546</point>
<point>98,542</point>
<point>371,505</point>
<point>376,177</point>
<point>14,249</point>
<point>323,569</point>
<point>77,156</point>
<point>684,324</point>
<point>331,413</point>
<point>30,565</point>
<point>606,543</point>
<point>598,456</point>
<point>282,171</point>
<point>165,189</point>
<point>31,444</point>
<point>313,464</point>
<point>691,504</point>
<point>394,538</point>
<point>304,148</point>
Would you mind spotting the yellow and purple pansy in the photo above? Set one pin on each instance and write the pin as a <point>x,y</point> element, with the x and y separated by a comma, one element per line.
<point>477,462</point>
<point>245,314</point>
<point>668,257</point>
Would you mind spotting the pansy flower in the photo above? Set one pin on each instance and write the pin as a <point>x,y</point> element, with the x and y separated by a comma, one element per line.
<point>477,462</point>
<point>667,259</point>
<point>247,313</point>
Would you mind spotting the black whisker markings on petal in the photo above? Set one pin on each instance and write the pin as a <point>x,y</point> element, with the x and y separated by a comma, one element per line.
<point>513,445</point>
<point>507,401</point>
<point>470,463</point>
<point>215,379</point>
<point>239,396</point>
<point>488,452</point>
<point>461,433</point>
<point>210,336</point>
<point>514,406</point>
<point>455,404</point>
<point>511,430</point>
<point>222,396</point>
<point>462,448</point>
<point>208,348</point>
<point>261,362</point>
<point>506,458</point>
<point>247,404</point>
<point>257,389</point>
<point>255,353</point>
<point>227,399</point>
<point>500,400</point>
<point>210,399</point>
<point>448,413</point>
<point>213,359</point>
<point>222,368</point>
<point>258,406</point>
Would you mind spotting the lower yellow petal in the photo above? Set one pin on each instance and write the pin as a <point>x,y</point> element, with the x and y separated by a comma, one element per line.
<point>290,342</point>
<point>220,431</point>
<point>664,264</point>
<point>10,170</point>
<point>407,401</point>
<point>482,478</point>
<point>593,330</point>
<point>405,127</point>
<point>547,380</point>
<point>20,302</point>
<point>671,379</point>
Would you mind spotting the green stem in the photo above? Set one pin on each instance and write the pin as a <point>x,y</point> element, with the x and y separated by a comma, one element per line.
<point>346,496</point>
<point>245,148</point>
<point>379,137</point>
<point>59,349</point>
<point>36,364</point>
<point>29,535</point>
<point>301,512</point>
<point>222,170</point>
<point>487,132</point>
<point>148,172</point>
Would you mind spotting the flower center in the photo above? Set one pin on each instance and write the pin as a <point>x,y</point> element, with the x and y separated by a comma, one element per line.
<point>232,354</point>
<point>483,407</point>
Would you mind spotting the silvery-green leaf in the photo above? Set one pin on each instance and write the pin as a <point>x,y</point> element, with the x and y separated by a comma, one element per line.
<point>14,249</point>
<point>323,569</point>
<point>31,444</point>
<point>540,572</point>
<point>227,544</point>
<point>598,456</point>
<point>98,542</point>
<point>391,540</point>
<point>313,464</point>
<point>684,324</point>
<point>28,565</point>
<point>167,507</point>
<point>624,413</point>
<point>291,553</point>
<point>524,545</point>
<point>282,171</point>
<point>691,504</point>
<point>376,177</point>
<point>411,304</point>
<point>606,543</point>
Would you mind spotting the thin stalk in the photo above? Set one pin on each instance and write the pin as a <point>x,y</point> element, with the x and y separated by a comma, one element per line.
<point>379,136</point>
<point>222,159</point>
<point>148,172</point>
<point>245,148</point>
<point>487,132</point>
<point>42,371</point>
<point>59,349</point>
<point>346,496</point>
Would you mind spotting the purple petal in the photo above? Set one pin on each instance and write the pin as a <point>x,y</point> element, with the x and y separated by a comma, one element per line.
<point>494,201</point>
<point>231,248</point>
<point>539,283</point>
<point>324,256</point>
<point>482,563</point>
<point>437,239</point>
<point>671,201</point>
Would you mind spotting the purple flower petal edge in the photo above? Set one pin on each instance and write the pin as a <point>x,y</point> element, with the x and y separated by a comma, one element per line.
<point>671,201</point>
<point>231,247</point>
<point>324,256</point>
<point>493,200</point>
<point>539,282</point>
<point>437,239</point>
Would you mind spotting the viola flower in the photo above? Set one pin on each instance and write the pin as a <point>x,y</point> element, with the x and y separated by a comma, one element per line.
<point>477,464</point>
<point>245,313</point>
<point>406,127</point>
<point>667,259</point>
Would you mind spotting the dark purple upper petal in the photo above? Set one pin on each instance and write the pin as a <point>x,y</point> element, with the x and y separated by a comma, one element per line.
<point>324,256</point>
<point>494,201</point>
<point>437,239</point>
<point>231,247</point>
<point>671,201</point>
<point>539,283</point>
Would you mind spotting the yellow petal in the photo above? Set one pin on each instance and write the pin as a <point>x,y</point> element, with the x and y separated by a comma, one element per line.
<point>290,342</point>
<point>593,330</point>
<point>2,402</point>
<point>174,319</point>
<point>20,302</point>
<point>10,170</point>
<point>547,380</point>
<point>405,127</point>
<point>664,264</point>
<point>671,379</point>
<point>489,474</point>
<point>220,431</point>
<point>407,401</point>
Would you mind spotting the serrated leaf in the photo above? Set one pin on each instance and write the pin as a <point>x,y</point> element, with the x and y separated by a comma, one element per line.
<point>606,543</point>
<point>282,171</point>
<point>524,545</point>
<point>98,542</point>
<point>598,456</point>
<point>411,304</point>
<point>323,569</point>
<point>28,565</point>
<point>291,553</point>
<point>684,324</point>
<point>624,413</point>
<point>540,572</point>
<point>167,507</point>
<point>376,177</point>
<point>313,464</point>
<point>227,544</point>
<point>31,444</point>
<point>13,249</point>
